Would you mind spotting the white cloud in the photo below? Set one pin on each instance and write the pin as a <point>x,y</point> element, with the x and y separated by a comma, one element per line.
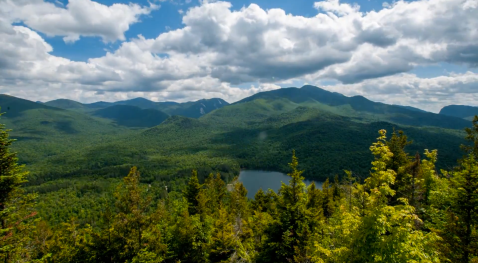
<point>218,49</point>
<point>335,7</point>
<point>408,89</point>
<point>79,18</point>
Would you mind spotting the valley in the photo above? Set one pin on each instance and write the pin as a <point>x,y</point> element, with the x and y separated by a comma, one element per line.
<point>77,154</point>
<point>330,132</point>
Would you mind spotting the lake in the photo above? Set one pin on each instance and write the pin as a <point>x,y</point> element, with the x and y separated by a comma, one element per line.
<point>255,180</point>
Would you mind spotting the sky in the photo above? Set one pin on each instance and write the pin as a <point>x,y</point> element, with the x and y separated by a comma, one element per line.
<point>415,53</point>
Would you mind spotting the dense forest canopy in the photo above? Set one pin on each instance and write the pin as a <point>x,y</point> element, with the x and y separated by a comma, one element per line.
<point>403,210</point>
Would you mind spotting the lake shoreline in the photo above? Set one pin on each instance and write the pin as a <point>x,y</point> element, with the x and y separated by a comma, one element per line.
<point>254,180</point>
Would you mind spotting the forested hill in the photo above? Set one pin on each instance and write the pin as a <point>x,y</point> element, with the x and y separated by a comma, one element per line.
<point>360,107</point>
<point>132,116</point>
<point>256,134</point>
<point>192,109</point>
<point>403,210</point>
<point>329,131</point>
<point>460,111</point>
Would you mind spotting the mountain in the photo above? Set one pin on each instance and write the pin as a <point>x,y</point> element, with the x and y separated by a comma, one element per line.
<point>132,116</point>
<point>77,106</point>
<point>410,108</point>
<point>65,104</point>
<point>199,108</point>
<point>460,111</point>
<point>330,132</point>
<point>359,107</point>
<point>14,107</point>
<point>144,103</point>
<point>43,132</point>
<point>192,109</point>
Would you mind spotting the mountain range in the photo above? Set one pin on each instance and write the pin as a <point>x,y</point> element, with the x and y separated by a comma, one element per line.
<point>193,109</point>
<point>460,111</point>
<point>330,132</point>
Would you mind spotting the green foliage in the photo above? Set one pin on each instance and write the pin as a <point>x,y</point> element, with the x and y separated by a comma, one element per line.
<point>192,192</point>
<point>132,116</point>
<point>288,236</point>
<point>472,136</point>
<point>16,209</point>
<point>403,211</point>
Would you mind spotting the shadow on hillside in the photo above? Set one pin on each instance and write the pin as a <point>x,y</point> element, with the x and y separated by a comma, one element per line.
<point>65,127</point>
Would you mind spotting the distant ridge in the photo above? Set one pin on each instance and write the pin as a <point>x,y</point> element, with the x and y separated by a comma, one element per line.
<point>192,109</point>
<point>410,108</point>
<point>65,104</point>
<point>13,106</point>
<point>200,108</point>
<point>460,111</point>
<point>132,116</point>
<point>357,107</point>
<point>361,106</point>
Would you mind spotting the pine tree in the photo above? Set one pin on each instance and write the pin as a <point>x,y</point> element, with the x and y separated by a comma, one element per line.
<point>224,241</point>
<point>125,238</point>
<point>288,238</point>
<point>191,193</point>
<point>259,202</point>
<point>463,224</point>
<point>16,207</point>
<point>472,137</point>
<point>386,229</point>
<point>327,199</point>
<point>190,238</point>
<point>399,162</point>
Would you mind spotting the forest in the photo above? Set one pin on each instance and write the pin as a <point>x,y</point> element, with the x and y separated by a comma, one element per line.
<point>403,210</point>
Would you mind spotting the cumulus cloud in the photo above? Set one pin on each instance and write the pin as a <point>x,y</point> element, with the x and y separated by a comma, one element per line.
<point>340,42</point>
<point>78,18</point>
<point>408,89</point>
<point>218,48</point>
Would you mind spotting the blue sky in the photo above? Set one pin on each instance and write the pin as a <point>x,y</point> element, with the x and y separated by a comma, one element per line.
<point>422,53</point>
<point>167,18</point>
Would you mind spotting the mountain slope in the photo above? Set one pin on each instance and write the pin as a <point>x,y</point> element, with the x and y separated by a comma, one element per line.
<point>460,111</point>
<point>65,104</point>
<point>14,107</point>
<point>199,108</point>
<point>326,143</point>
<point>44,132</point>
<point>410,108</point>
<point>132,116</point>
<point>192,109</point>
<point>361,107</point>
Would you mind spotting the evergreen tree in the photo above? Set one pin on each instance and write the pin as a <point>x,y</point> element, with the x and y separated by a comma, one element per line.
<point>461,230</point>
<point>127,233</point>
<point>191,193</point>
<point>387,233</point>
<point>16,207</point>
<point>224,241</point>
<point>190,238</point>
<point>327,199</point>
<point>288,238</point>
<point>472,137</point>
<point>259,203</point>
<point>399,161</point>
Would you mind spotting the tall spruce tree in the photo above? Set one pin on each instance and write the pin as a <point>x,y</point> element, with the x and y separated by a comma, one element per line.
<point>399,161</point>
<point>472,137</point>
<point>191,193</point>
<point>16,207</point>
<point>288,238</point>
<point>464,211</point>
<point>387,229</point>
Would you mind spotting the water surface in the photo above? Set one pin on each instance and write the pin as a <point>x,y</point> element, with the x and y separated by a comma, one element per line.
<point>255,180</point>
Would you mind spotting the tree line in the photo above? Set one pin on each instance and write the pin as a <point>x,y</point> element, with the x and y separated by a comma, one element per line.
<point>403,211</point>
